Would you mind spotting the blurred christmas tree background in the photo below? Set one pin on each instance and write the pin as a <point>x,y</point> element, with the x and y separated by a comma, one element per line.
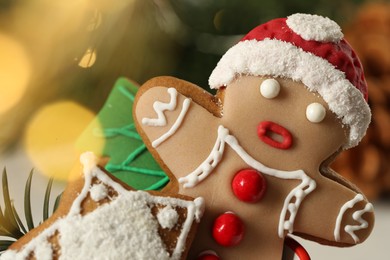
<point>68,54</point>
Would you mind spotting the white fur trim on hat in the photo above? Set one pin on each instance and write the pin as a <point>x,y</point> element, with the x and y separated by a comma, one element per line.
<point>314,27</point>
<point>282,59</point>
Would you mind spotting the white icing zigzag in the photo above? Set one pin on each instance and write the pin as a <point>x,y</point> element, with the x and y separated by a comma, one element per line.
<point>298,193</point>
<point>350,229</point>
<point>175,126</point>
<point>161,120</point>
<point>160,107</point>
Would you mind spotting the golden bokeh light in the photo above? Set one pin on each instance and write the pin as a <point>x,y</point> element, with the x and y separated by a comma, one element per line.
<point>218,19</point>
<point>15,72</point>
<point>51,135</point>
<point>88,59</point>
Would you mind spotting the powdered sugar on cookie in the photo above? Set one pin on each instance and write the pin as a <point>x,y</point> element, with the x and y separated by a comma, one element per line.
<point>124,228</point>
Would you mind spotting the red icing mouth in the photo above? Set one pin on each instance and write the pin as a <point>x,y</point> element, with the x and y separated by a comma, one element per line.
<point>267,130</point>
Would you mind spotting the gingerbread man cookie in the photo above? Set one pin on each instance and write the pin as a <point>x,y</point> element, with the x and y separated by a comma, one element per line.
<point>291,96</point>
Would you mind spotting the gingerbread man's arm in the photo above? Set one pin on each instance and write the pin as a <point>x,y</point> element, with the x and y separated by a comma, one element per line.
<point>170,114</point>
<point>349,213</point>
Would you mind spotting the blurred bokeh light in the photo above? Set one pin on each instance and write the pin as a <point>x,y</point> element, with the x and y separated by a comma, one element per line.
<point>59,60</point>
<point>15,71</point>
<point>76,50</point>
<point>51,135</point>
<point>88,59</point>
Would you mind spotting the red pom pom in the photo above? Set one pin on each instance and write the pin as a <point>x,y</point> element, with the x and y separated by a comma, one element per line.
<point>228,229</point>
<point>249,185</point>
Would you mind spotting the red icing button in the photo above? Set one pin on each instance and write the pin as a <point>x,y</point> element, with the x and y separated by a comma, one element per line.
<point>249,185</point>
<point>208,255</point>
<point>266,128</point>
<point>228,229</point>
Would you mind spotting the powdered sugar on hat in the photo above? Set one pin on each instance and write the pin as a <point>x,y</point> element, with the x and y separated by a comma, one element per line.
<point>315,28</point>
<point>306,48</point>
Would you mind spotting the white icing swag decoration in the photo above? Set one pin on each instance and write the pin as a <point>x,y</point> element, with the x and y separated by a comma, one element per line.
<point>357,216</point>
<point>161,120</point>
<point>297,195</point>
<point>124,228</point>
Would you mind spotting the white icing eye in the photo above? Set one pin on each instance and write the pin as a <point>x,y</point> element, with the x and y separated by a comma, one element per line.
<point>315,112</point>
<point>269,88</point>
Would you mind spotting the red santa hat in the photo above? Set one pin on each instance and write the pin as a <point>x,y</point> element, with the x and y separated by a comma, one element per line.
<point>306,48</point>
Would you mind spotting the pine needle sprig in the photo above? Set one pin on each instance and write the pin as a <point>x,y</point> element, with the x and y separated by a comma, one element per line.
<point>46,201</point>
<point>27,202</point>
<point>11,225</point>
<point>4,244</point>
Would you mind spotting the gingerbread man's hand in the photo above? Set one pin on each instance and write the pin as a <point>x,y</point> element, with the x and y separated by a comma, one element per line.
<point>162,106</point>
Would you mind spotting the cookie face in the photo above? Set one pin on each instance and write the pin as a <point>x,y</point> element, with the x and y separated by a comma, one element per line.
<point>204,142</point>
<point>101,217</point>
<point>287,113</point>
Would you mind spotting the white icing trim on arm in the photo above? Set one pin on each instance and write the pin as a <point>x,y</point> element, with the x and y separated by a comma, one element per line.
<point>350,229</point>
<point>175,126</point>
<point>349,204</point>
<point>159,108</point>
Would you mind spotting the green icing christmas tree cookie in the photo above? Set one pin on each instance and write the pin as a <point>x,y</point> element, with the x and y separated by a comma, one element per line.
<point>129,160</point>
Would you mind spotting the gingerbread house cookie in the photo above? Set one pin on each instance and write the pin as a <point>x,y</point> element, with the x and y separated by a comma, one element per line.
<point>101,218</point>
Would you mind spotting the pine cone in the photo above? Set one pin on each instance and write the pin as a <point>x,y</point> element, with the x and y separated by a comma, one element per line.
<point>367,165</point>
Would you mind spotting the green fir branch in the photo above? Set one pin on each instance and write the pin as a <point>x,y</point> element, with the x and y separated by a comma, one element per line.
<point>4,244</point>
<point>46,201</point>
<point>11,225</point>
<point>27,202</point>
<point>18,220</point>
<point>57,202</point>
